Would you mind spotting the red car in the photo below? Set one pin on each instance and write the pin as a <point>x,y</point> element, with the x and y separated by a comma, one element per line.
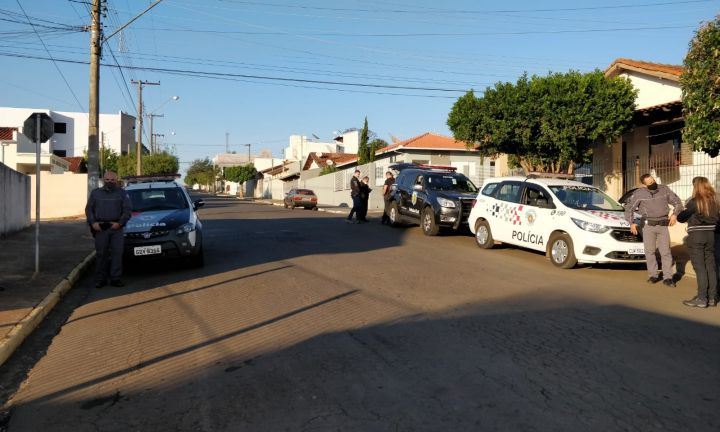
<point>301,198</point>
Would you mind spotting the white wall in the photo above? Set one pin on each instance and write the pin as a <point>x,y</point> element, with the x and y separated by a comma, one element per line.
<point>61,195</point>
<point>14,200</point>
<point>652,90</point>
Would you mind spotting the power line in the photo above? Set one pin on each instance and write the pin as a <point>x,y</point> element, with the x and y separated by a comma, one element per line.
<point>82,109</point>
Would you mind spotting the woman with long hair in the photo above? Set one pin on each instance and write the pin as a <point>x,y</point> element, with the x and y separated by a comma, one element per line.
<point>701,214</point>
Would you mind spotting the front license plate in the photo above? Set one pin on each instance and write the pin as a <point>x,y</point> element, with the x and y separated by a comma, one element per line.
<point>147,250</point>
<point>636,251</point>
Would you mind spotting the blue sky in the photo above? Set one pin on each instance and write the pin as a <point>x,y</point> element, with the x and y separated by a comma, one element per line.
<point>263,70</point>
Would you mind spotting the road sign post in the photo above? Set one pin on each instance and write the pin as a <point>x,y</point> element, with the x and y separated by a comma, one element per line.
<point>39,127</point>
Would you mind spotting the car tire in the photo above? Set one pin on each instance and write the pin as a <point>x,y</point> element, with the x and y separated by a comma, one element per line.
<point>285,204</point>
<point>198,260</point>
<point>394,214</point>
<point>483,235</point>
<point>315,208</point>
<point>427,222</point>
<point>561,252</point>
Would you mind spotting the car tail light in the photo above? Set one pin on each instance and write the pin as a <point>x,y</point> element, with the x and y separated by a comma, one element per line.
<point>313,199</point>
<point>297,198</point>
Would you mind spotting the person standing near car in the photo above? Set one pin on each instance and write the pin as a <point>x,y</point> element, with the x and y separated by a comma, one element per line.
<point>652,201</point>
<point>389,180</point>
<point>364,198</point>
<point>701,214</point>
<point>355,195</point>
<point>108,209</point>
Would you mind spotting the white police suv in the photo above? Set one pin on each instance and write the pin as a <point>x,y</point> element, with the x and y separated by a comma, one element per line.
<point>568,220</point>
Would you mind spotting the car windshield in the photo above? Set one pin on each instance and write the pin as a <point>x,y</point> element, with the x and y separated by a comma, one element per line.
<point>450,183</point>
<point>585,198</point>
<point>157,199</point>
<point>304,192</point>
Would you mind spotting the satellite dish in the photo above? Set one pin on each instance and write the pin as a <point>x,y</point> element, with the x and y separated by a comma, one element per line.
<point>315,136</point>
<point>318,154</point>
<point>330,162</point>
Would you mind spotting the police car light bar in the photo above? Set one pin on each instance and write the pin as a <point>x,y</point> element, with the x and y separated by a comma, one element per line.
<point>151,178</point>
<point>564,176</point>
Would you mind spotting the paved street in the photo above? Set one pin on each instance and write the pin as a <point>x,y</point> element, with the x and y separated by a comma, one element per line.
<point>300,322</point>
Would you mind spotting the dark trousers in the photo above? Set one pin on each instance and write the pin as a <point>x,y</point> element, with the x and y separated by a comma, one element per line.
<point>362,214</point>
<point>109,252</point>
<point>356,208</point>
<point>385,216</point>
<point>701,246</point>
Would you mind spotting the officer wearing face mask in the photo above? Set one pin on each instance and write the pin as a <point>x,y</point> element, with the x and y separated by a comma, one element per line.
<point>108,209</point>
<point>652,201</point>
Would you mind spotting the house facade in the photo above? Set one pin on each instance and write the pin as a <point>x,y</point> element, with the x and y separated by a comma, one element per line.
<point>654,145</point>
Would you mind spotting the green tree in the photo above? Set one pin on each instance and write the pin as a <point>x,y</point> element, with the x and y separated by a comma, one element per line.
<point>201,171</point>
<point>328,169</point>
<point>547,123</point>
<point>126,165</point>
<point>376,145</point>
<point>240,174</point>
<point>160,163</point>
<point>700,82</point>
<point>363,148</point>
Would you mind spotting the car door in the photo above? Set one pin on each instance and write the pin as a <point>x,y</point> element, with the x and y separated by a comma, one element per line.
<point>536,216</point>
<point>503,211</point>
<point>418,196</point>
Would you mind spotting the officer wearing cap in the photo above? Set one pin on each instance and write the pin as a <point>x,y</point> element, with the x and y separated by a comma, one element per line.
<point>652,201</point>
<point>108,209</point>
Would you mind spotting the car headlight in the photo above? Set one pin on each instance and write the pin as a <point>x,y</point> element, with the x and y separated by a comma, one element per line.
<point>184,229</point>
<point>590,226</point>
<point>444,202</point>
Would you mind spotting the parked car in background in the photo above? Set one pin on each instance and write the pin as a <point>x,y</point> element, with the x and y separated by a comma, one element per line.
<point>570,221</point>
<point>164,222</point>
<point>432,196</point>
<point>300,198</point>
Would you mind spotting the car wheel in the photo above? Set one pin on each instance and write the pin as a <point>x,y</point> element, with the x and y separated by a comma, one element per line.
<point>315,208</point>
<point>561,251</point>
<point>285,204</point>
<point>428,224</point>
<point>483,235</point>
<point>394,214</point>
<point>198,260</point>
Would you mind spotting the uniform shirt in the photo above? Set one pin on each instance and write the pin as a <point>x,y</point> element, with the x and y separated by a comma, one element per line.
<point>388,182</point>
<point>105,205</point>
<point>652,204</point>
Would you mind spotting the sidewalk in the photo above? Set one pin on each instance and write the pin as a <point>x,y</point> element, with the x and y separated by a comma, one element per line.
<point>65,246</point>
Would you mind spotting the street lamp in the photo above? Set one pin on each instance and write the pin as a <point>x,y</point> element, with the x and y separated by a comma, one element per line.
<point>152,115</point>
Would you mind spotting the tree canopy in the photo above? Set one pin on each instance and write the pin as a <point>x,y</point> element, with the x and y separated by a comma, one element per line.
<point>240,174</point>
<point>201,171</point>
<point>157,163</point>
<point>364,155</point>
<point>700,82</point>
<point>548,123</point>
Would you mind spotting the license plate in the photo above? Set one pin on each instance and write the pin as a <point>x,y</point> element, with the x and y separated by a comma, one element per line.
<point>147,250</point>
<point>636,251</point>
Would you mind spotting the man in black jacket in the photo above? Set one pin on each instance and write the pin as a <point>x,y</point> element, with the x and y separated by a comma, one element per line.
<point>108,209</point>
<point>355,195</point>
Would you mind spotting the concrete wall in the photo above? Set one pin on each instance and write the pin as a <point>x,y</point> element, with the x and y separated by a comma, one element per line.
<point>652,90</point>
<point>14,200</point>
<point>61,195</point>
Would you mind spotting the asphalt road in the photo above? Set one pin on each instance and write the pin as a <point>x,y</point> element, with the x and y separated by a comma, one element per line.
<point>300,322</point>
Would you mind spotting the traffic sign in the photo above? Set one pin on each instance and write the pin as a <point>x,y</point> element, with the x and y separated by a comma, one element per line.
<point>47,126</point>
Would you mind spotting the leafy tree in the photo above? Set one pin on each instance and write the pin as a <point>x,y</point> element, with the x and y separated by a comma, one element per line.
<point>108,160</point>
<point>363,148</point>
<point>328,169</point>
<point>240,174</point>
<point>700,82</point>
<point>376,145</point>
<point>548,123</point>
<point>160,163</point>
<point>201,171</point>
<point>126,165</point>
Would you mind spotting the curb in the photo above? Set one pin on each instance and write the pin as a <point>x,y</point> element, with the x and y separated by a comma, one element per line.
<point>22,329</point>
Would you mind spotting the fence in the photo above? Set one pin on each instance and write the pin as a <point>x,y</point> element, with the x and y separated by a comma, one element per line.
<point>14,200</point>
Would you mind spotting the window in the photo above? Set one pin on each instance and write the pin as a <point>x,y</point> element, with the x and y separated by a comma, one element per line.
<point>61,153</point>
<point>509,191</point>
<point>60,128</point>
<point>536,197</point>
<point>489,189</point>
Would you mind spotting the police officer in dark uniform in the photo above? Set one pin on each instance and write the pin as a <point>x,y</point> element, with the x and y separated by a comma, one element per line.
<point>108,209</point>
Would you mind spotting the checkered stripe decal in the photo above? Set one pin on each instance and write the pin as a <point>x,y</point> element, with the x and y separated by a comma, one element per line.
<point>507,212</point>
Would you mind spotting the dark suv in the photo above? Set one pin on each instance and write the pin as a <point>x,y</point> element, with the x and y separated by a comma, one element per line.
<point>431,196</point>
<point>164,222</point>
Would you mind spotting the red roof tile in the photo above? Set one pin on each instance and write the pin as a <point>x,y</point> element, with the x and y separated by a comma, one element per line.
<point>426,141</point>
<point>322,159</point>
<point>668,71</point>
<point>6,133</point>
<point>77,164</point>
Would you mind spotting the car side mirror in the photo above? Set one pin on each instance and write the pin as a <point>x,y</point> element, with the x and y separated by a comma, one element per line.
<point>417,187</point>
<point>197,204</point>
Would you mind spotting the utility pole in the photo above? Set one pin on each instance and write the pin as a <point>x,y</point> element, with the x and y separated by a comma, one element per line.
<point>248,146</point>
<point>94,106</point>
<point>153,146</point>
<point>138,146</point>
<point>102,152</point>
<point>227,142</point>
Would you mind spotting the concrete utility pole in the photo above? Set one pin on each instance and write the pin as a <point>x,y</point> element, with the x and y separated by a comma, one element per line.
<point>248,146</point>
<point>138,145</point>
<point>227,142</point>
<point>94,114</point>
<point>153,147</point>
